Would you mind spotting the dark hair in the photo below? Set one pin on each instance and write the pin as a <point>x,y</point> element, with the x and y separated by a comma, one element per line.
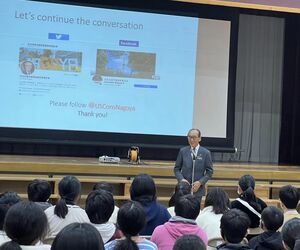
<point>291,233</point>
<point>99,206</point>
<point>78,236</point>
<point>182,188</point>
<point>247,184</point>
<point>272,218</point>
<point>143,189</point>
<point>7,199</point>
<point>39,190</point>
<point>289,196</point>
<point>25,223</point>
<point>69,189</point>
<point>198,130</point>
<point>234,225</point>
<point>189,241</point>
<point>187,206</point>
<point>218,199</point>
<point>102,185</point>
<point>131,220</point>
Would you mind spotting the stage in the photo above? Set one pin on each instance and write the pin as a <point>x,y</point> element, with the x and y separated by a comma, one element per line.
<point>16,171</point>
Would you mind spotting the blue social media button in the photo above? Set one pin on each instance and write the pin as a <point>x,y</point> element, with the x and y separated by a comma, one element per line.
<point>58,36</point>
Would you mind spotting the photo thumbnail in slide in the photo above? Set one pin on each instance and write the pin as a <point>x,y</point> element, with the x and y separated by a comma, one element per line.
<point>48,59</point>
<point>125,64</point>
<point>27,67</point>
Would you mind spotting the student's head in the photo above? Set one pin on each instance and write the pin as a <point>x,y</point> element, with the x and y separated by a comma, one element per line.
<point>102,185</point>
<point>246,182</point>
<point>291,234</point>
<point>131,220</point>
<point>78,236</point>
<point>289,196</point>
<point>143,189</point>
<point>182,188</point>
<point>99,206</point>
<point>194,137</point>
<point>190,242</point>
<point>246,190</point>
<point>187,206</point>
<point>271,218</point>
<point>234,225</point>
<point>69,190</point>
<point>39,191</point>
<point>7,199</point>
<point>218,199</point>
<point>25,223</point>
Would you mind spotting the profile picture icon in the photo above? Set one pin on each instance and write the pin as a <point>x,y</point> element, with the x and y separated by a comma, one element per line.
<point>27,67</point>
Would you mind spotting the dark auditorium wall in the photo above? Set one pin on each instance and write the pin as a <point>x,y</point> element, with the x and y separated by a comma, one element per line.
<point>290,120</point>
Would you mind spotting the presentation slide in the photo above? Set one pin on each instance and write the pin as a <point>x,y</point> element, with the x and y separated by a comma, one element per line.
<point>68,67</point>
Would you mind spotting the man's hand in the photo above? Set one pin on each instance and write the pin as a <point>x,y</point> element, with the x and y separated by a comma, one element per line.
<point>196,186</point>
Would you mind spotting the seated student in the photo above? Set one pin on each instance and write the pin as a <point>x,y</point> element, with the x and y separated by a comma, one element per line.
<point>249,203</point>
<point>289,197</point>
<point>143,190</point>
<point>190,242</point>
<point>131,220</point>
<point>26,224</point>
<point>182,188</point>
<point>78,236</point>
<point>187,209</point>
<point>102,185</point>
<point>271,221</point>
<point>66,211</point>
<point>39,191</point>
<point>99,208</point>
<point>216,203</point>
<point>291,234</point>
<point>234,225</point>
<point>7,199</point>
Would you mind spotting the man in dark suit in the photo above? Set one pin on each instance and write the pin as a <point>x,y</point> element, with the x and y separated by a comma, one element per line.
<point>203,167</point>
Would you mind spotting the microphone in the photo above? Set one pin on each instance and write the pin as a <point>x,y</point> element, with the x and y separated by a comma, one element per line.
<point>193,154</point>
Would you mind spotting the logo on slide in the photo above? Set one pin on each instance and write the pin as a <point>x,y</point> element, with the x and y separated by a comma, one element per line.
<point>58,36</point>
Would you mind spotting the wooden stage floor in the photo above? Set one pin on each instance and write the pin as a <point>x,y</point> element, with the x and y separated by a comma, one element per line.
<point>52,165</point>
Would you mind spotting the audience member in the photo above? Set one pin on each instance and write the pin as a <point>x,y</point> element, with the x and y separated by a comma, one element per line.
<point>291,234</point>
<point>190,242</point>
<point>143,190</point>
<point>66,211</point>
<point>99,208</point>
<point>271,221</point>
<point>182,188</point>
<point>216,204</point>
<point>131,220</point>
<point>234,225</point>
<point>289,197</point>
<point>7,199</point>
<point>187,209</point>
<point>26,225</point>
<point>39,191</point>
<point>248,202</point>
<point>78,236</point>
<point>108,187</point>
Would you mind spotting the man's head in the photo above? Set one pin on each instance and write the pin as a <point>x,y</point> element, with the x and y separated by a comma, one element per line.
<point>234,225</point>
<point>27,67</point>
<point>271,219</point>
<point>194,137</point>
<point>289,196</point>
<point>187,206</point>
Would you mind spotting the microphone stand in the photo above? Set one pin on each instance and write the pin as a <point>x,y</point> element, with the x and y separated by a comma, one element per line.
<point>193,171</point>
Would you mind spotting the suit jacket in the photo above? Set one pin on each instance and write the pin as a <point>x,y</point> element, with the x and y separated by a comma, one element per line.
<point>203,167</point>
